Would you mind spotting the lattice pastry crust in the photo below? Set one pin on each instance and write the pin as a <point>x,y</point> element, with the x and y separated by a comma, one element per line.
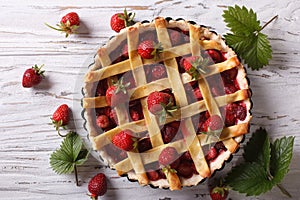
<point>200,38</point>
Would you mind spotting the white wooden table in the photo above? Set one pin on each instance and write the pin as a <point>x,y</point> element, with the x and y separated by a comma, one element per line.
<point>27,139</point>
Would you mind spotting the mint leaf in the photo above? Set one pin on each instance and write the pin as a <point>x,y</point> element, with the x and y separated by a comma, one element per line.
<point>258,149</point>
<point>281,156</point>
<point>249,178</point>
<point>70,153</point>
<point>241,20</point>
<point>246,37</point>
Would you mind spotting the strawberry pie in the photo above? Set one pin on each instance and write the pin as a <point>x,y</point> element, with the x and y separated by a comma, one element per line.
<point>166,103</point>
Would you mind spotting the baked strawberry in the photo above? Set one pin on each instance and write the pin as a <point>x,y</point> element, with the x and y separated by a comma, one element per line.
<point>117,93</point>
<point>219,193</point>
<point>68,24</point>
<point>212,154</point>
<point>97,186</point>
<point>169,131</point>
<point>167,156</point>
<point>161,104</point>
<point>213,123</point>
<point>148,49</point>
<point>229,75</point>
<point>185,169</point>
<point>102,121</point>
<point>61,117</point>
<point>121,20</point>
<point>125,51</point>
<point>32,76</point>
<point>186,156</point>
<point>144,145</point>
<point>153,175</point>
<point>234,112</point>
<point>175,36</point>
<point>125,140</point>
<point>158,71</point>
<point>197,93</point>
<point>215,55</point>
<point>195,65</point>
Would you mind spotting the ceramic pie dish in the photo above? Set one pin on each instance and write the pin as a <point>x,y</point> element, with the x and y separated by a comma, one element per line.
<point>215,89</point>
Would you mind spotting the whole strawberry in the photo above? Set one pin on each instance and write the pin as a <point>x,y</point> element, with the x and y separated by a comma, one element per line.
<point>121,20</point>
<point>161,104</point>
<point>167,156</point>
<point>117,93</point>
<point>125,140</point>
<point>148,49</point>
<point>68,24</point>
<point>195,65</point>
<point>32,76</point>
<point>213,123</point>
<point>97,186</point>
<point>61,117</point>
<point>219,193</point>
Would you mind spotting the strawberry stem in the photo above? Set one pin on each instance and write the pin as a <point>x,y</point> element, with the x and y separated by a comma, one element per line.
<point>284,191</point>
<point>58,29</point>
<point>76,175</point>
<point>266,24</point>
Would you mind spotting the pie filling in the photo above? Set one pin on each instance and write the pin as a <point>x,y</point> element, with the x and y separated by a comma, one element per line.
<point>204,79</point>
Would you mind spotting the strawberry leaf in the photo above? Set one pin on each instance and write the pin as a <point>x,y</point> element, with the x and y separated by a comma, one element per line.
<point>241,20</point>
<point>258,148</point>
<point>246,37</point>
<point>266,164</point>
<point>245,178</point>
<point>70,153</point>
<point>281,156</point>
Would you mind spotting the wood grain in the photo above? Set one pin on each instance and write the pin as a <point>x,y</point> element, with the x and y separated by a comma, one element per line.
<point>27,139</point>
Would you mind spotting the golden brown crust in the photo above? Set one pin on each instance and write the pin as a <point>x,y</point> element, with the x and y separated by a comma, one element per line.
<point>174,181</point>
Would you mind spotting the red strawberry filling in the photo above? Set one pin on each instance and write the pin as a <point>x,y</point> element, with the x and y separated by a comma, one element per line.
<point>234,112</point>
<point>144,145</point>
<point>220,84</point>
<point>170,131</point>
<point>176,36</point>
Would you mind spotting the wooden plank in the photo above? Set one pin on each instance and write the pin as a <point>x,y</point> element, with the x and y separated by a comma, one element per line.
<point>27,139</point>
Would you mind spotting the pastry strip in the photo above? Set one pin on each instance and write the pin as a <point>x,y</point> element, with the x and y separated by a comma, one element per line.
<point>152,155</point>
<point>124,66</point>
<point>185,112</point>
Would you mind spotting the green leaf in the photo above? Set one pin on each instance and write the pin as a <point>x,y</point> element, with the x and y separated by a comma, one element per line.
<point>249,178</point>
<point>237,42</point>
<point>70,153</point>
<point>82,157</point>
<point>266,164</point>
<point>258,148</point>
<point>246,39</point>
<point>259,52</point>
<point>281,156</point>
<point>241,20</point>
